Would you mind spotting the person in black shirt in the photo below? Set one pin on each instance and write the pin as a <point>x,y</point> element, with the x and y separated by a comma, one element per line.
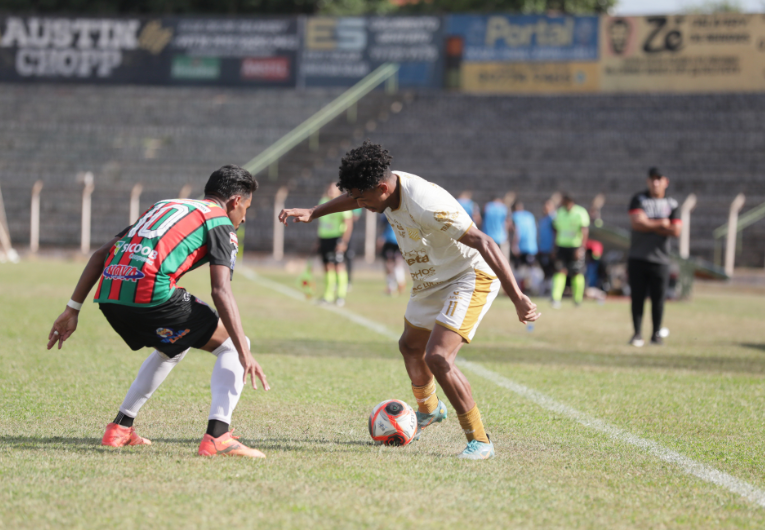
<point>654,218</point>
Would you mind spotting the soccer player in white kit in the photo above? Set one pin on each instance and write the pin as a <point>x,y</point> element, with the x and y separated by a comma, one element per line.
<point>457,272</point>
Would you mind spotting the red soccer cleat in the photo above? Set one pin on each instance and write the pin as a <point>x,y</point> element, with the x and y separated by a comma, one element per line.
<point>119,436</point>
<point>227,445</point>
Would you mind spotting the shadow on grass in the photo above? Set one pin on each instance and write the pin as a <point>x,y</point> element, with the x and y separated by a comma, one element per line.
<point>654,360</point>
<point>94,444</point>
<point>320,348</point>
<point>760,347</point>
<point>33,442</point>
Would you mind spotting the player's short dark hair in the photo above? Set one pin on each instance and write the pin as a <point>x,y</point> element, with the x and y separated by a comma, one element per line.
<point>654,173</point>
<point>230,180</point>
<point>567,197</point>
<point>364,168</point>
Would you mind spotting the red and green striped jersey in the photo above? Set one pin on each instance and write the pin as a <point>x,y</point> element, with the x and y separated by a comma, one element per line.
<point>170,239</point>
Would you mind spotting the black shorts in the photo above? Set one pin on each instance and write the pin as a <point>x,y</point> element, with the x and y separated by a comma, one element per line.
<point>327,251</point>
<point>522,259</point>
<point>546,262</point>
<point>565,258</point>
<point>172,327</point>
<point>389,251</point>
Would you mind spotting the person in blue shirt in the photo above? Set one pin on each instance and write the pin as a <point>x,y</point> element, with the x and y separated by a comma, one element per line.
<point>387,246</point>
<point>546,245</point>
<point>466,201</point>
<point>524,249</point>
<point>496,223</point>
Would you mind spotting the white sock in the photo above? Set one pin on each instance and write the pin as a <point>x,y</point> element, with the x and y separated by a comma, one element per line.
<point>392,284</point>
<point>400,273</point>
<point>153,371</point>
<point>226,383</point>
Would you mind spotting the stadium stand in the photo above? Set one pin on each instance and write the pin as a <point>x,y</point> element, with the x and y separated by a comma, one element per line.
<point>163,138</point>
<point>711,145</point>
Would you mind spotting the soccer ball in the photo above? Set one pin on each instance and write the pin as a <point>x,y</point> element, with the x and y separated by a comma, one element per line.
<point>392,422</point>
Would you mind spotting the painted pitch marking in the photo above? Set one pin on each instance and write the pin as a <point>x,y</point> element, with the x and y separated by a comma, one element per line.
<point>688,465</point>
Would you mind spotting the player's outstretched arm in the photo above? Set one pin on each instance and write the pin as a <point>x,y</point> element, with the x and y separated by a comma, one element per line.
<point>223,297</point>
<point>66,323</point>
<point>342,203</point>
<point>524,307</point>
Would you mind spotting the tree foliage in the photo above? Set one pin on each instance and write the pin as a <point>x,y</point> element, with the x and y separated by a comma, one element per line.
<point>296,7</point>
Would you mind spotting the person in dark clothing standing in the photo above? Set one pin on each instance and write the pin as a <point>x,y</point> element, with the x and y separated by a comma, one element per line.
<point>654,218</point>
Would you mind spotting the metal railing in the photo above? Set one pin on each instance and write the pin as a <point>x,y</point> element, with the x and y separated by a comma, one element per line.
<point>309,129</point>
<point>740,223</point>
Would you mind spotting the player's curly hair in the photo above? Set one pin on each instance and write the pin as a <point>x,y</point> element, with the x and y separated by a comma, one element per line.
<point>364,168</point>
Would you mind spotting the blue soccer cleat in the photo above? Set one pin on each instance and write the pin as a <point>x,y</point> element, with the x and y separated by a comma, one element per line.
<point>476,450</point>
<point>424,420</point>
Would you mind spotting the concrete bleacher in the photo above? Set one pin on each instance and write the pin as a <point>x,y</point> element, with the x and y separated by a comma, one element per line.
<point>163,138</point>
<point>711,145</point>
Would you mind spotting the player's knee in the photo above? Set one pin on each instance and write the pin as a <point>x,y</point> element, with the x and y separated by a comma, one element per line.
<point>437,362</point>
<point>408,349</point>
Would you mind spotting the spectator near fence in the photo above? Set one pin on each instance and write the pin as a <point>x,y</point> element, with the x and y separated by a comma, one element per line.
<point>571,231</point>
<point>524,226</point>
<point>654,218</point>
<point>546,246</point>
<point>334,234</point>
<point>466,201</point>
<point>496,224</point>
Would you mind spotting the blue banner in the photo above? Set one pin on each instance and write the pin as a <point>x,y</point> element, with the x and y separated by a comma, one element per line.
<point>525,38</point>
<point>342,51</point>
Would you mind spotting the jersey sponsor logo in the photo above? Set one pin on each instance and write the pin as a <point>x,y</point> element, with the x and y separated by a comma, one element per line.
<point>425,285</point>
<point>233,260</point>
<point>170,336</point>
<point>657,208</point>
<point>123,272</point>
<point>423,273</point>
<point>234,239</point>
<point>137,251</point>
<point>415,256</point>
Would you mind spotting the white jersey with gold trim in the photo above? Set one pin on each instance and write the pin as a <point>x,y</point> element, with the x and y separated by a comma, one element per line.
<point>428,224</point>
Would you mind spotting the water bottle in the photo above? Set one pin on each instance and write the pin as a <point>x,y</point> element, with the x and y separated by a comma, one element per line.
<point>529,326</point>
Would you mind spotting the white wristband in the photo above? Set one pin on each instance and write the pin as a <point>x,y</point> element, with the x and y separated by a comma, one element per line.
<point>74,305</point>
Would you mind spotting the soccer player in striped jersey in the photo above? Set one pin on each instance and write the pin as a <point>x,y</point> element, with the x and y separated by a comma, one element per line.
<point>137,274</point>
<point>456,270</point>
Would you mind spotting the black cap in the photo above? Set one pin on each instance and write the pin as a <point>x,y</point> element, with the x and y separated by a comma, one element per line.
<point>654,173</point>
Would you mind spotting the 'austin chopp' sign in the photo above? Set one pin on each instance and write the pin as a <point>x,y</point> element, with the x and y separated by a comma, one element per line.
<point>67,47</point>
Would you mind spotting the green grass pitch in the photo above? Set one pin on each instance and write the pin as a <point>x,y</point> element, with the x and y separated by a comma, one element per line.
<point>702,395</point>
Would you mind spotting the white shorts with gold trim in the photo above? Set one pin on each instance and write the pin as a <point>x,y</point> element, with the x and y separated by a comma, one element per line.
<point>458,305</point>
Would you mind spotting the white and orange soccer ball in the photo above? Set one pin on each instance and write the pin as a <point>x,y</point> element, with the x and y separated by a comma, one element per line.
<point>392,422</point>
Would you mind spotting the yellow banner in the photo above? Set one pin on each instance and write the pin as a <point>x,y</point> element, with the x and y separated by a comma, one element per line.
<point>538,78</point>
<point>688,53</point>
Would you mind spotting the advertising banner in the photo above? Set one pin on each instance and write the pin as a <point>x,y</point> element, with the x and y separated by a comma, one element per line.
<point>527,78</point>
<point>526,38</point>
<point>241,51</point>
<point>689,53</point>
<point>252,52</point>
<point>342,51</point>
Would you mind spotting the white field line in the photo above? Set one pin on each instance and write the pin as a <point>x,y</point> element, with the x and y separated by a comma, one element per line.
<point>688,465</point>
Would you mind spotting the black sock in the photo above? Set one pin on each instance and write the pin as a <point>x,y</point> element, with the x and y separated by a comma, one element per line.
<point>124,420</point>
<point>216,428</point>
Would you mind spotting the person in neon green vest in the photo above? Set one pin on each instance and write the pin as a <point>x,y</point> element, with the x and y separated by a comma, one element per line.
<point>571,230</point>
<point>334,234</point>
